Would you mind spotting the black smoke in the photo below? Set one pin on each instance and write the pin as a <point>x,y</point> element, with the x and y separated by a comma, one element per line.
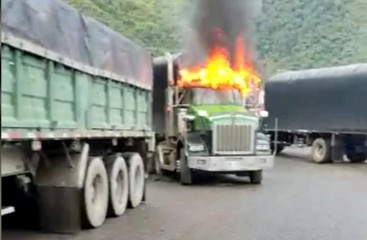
<point>218,22</point>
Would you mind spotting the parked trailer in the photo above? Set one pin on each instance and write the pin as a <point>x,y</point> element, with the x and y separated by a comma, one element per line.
<point>76,116</point>
<point>323,108</point>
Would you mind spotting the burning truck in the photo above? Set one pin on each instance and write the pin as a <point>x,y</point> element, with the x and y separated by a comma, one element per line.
<point>200,120</point>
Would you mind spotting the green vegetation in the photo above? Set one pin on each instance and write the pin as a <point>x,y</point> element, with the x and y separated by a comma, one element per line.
<point>291,34</point>
<point>155,24</point>
<point>299,34</point>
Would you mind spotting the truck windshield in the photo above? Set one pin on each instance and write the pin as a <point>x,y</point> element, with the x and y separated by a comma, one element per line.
<point>206,96</point>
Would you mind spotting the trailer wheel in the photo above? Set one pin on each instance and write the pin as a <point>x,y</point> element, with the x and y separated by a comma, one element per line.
<point>321,150</point>
<point>185,171</point>
<point>118,180</point>
<point>136,179</point>
<point>95,193</point>
<point>355,156</point>
<point>256,177</point>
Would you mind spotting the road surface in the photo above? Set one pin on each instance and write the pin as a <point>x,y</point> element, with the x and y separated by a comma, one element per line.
<point>298,200</point>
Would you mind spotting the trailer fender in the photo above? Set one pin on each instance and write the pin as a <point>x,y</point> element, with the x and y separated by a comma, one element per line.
<point>59,181</point>
<point>59,171</point>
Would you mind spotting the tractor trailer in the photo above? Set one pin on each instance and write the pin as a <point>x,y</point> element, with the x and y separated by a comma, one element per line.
<point>75,117</point>
<point>201,130</point>
<point>322,108</point>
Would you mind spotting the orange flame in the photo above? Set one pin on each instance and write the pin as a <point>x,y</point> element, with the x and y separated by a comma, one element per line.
<point>219,74</point>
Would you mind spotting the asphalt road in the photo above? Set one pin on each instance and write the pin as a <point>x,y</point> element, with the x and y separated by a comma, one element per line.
<point>298,200</point>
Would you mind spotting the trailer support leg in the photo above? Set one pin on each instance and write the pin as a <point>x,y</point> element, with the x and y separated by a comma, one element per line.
<point>337,148</point>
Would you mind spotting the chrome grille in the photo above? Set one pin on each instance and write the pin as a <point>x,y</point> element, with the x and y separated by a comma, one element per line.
<point>233,139</point>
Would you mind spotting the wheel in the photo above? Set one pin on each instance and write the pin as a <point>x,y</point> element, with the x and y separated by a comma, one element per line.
<point>95,193</point>
<point>280,148</point>
<point>256,176</point>
<point>185,171</point>
<point>136,179</point>
<point>118,180</point>
<point>356,156</point>
<point>321,150</point>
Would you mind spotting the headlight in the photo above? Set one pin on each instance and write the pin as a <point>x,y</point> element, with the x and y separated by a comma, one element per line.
<point>196,148</point>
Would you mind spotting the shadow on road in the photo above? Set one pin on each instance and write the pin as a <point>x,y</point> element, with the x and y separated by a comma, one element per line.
<point>206,179</point>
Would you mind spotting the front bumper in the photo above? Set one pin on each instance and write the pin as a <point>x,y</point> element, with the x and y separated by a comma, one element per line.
<point>230,163</point>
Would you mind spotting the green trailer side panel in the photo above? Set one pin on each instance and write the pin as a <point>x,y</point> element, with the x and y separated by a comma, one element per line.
<point>116,105</point>
<point>8,85</point>
<point>63,97</point>
<point>38,93</point>
<point>130,106</point>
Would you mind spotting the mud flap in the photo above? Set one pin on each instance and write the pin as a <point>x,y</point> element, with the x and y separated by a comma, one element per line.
<point>59,182</point>
<point>60,210</point>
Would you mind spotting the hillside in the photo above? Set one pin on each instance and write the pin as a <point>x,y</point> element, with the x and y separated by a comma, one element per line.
<point>155,24</point>
<point>298,34</point>
<point>291,34</point>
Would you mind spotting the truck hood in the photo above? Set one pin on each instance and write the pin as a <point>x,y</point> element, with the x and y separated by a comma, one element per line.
<point>213,110</point>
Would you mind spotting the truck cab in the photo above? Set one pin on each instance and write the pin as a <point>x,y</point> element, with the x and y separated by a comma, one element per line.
<point>207,130</point>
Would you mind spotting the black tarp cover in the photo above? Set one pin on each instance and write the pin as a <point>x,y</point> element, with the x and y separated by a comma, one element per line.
<point>323,100</point>
<point>56,26</point>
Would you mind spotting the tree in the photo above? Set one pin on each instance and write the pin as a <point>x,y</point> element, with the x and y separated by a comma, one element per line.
<point>154,24</point>
<point>300,34</point>
<point>291,34</point>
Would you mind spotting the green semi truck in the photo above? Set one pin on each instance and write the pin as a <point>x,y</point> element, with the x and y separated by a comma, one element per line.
<point>202,130</point>
<point>75,117</point>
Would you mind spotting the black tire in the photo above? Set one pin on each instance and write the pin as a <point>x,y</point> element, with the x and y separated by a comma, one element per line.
<point>256,177</point>
<point>118,181</point>
<point>95,193</point>
<point>136,179</point>
<point>279,149</point>
<point>321,150</point>
<point>186,177</point>
<point>354,156</point>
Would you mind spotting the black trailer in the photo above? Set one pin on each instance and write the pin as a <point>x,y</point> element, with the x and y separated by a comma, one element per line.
<point>323,108</point>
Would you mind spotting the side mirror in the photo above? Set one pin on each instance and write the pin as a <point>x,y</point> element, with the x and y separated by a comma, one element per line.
<point>188,117</point>
<point>264,114</point>
<point>202,113</point>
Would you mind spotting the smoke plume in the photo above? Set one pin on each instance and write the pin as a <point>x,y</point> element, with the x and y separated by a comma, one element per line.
<point>218,23</point>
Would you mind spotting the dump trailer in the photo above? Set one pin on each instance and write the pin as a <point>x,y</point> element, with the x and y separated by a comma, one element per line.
<point>75,117</point>
<point>323,108</point>
<point>201,130</point>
